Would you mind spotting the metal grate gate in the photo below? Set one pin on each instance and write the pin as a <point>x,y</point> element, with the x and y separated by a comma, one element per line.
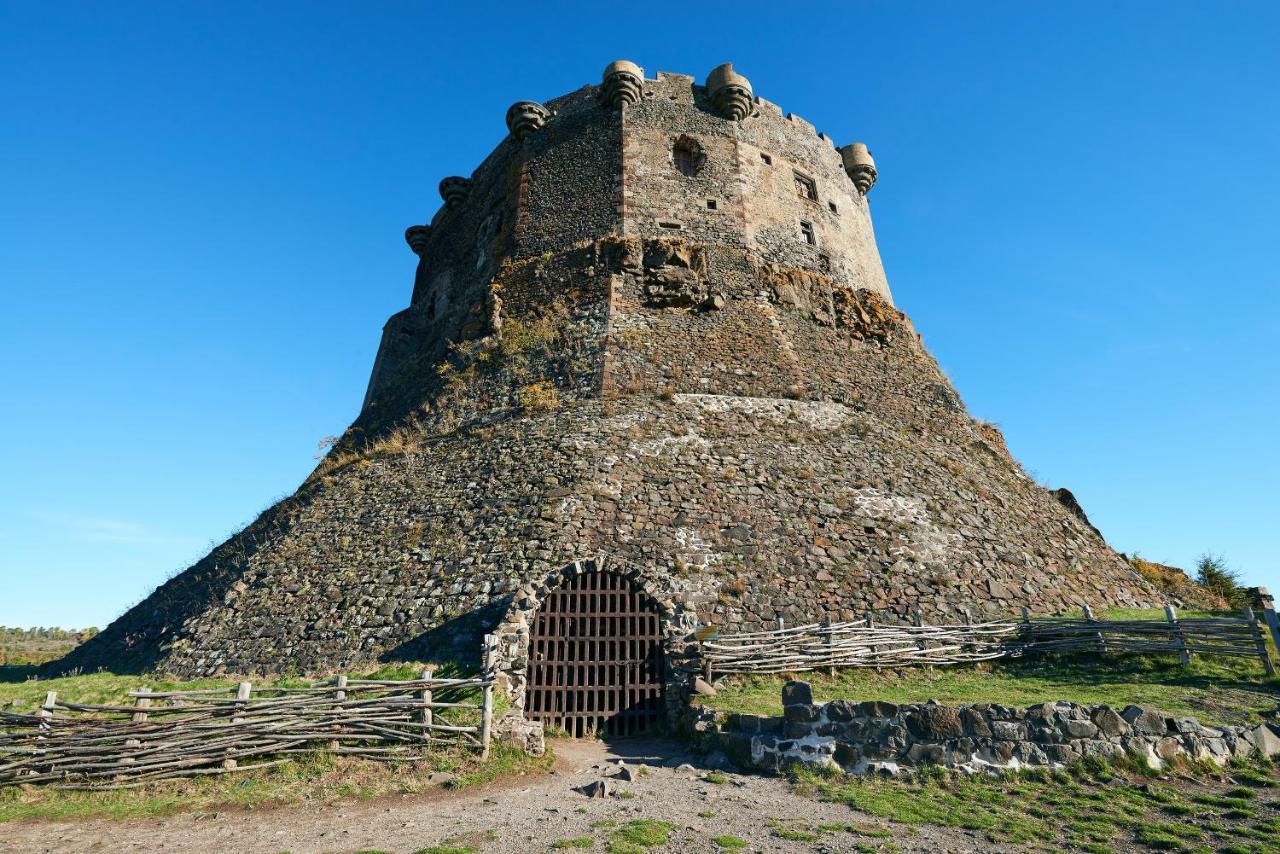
<point>595,658</point>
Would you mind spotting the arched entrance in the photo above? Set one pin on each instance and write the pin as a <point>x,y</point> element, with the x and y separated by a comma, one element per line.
<point>595,658</point>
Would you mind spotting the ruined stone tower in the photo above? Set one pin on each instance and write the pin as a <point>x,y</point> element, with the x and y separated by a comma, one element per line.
<point>651,337</point>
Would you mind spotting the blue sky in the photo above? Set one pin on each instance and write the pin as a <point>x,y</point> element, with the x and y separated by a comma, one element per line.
<point>201,209</point>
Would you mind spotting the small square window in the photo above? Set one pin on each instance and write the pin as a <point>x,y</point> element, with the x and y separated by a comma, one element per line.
<point>806,230</point>
<point>711,204</point>
<point>835,210</point>
<point>768,161</point>
<point>806,188</point>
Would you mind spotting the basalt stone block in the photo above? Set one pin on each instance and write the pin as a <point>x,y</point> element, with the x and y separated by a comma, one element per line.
<point>974,722</point>
<point>828,729</point>
<point>847,753</point>
<point>1002,751</point>
<point>1062,753</point>
<point>933,754</point>
<point>797,729</point>
<point>878,709</point>
<point>1266,740</point>
<point>796,693</point>
<point>1109,722</point>
<point>935,723</point>
<point>840,710</point>
<point>1169,747</point>
<point>1148,721</point>
<point>803,712</point>
<point>1079,729</point>
<point>1006,731</point>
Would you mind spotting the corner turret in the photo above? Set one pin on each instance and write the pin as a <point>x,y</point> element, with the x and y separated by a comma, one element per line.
<point>622,84</point>
<point>730,91</point>
<point>859,165</point>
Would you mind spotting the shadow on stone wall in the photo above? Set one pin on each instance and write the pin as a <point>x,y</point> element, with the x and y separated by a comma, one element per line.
<point>458,642</point>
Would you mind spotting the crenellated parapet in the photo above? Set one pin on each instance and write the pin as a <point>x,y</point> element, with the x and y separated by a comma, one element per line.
<point>526,117</point>
<point>622,84</point>
<point>730,92</point>
<point>859,165</point>
<point>416,236</point>
<point>454,189</point>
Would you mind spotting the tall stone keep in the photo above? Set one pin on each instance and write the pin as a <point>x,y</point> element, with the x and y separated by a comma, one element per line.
<point>649,337</point>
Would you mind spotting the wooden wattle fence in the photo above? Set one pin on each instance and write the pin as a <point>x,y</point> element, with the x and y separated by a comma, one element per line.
<point>194,733</point>
<point>866,643</point>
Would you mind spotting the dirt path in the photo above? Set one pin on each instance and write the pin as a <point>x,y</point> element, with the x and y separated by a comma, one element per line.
<point>527,814</point>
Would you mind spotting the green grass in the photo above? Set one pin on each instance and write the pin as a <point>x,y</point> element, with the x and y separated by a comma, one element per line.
<point>317,777</point>
<point>642,833</point>
<point>576,842</point>
<point>1055,810</point>
<point>716,777</point>
<point>1215,691</point>
<point>729,843</point>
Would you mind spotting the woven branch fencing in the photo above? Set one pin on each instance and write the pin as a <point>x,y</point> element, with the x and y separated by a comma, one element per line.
<point>864,643</point>
<point>194,733</point>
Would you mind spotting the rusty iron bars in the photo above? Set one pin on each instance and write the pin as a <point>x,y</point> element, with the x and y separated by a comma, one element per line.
<point>596,663</point>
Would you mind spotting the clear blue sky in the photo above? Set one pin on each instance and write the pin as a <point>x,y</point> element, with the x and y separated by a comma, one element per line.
<point>201,209</point>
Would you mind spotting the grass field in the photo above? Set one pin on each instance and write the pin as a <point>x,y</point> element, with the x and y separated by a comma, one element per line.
<point>1096,807</point>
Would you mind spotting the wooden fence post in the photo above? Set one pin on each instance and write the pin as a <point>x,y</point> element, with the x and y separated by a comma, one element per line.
<point>1176,631</point>
<point>1262,599</point>
<point>1102,643</point>
<point>917,620</point>
<point>141,702</point>
<point>1028,630</point>
<point>486,719</point>
<point>968,642</point>
<point>46,713</point>
<point>339,696</point>
<point>427,718</point>
<point>1261,641</point>
<point>830,642</point>
<point>242,695</point>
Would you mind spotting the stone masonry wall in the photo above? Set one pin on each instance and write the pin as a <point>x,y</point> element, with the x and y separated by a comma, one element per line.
<point>744,430</point>
<point>875,737</point>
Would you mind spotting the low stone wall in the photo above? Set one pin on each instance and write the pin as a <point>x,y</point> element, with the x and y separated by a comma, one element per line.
<point>879,737</point>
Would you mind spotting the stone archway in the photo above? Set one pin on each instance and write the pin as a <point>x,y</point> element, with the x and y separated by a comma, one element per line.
<point>596,663</point>
<point>509,657</point>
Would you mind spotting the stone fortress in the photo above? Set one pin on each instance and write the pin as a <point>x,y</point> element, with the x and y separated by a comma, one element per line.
<point>651,334</point>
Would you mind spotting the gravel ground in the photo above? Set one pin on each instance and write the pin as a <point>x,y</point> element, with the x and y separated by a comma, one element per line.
<point>515,815</point>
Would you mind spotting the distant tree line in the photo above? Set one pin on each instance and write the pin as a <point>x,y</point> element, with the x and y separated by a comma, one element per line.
<point>39,644</point>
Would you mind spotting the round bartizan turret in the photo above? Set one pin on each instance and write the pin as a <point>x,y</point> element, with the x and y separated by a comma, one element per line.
<point>730,92</point>
<point>859,166</point>
<point>525,117</point>
<point>416,236</point>
<point>454,189</point>
<point>622,84</point>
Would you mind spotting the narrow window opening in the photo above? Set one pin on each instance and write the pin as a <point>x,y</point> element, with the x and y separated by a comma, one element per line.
<point>687,156</point>
<point>711,204</point>
<point>666,223</point>
<point>805,187</point>
<point>806,230</point>
<point>835,210</point>
<point>431,306</point>
<point>768,161</point>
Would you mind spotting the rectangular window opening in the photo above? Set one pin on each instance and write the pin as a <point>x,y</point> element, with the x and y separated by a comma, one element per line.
<point>768,161</point>
<point>711,204</point>
<point>666,223</point>
<point>834,209</point>
<point>806,230</point>
<point>806,188</point>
